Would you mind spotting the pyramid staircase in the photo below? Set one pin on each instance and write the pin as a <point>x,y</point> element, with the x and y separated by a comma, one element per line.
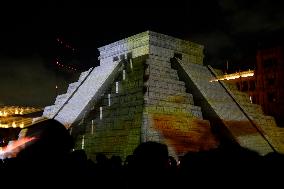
<point>71,107</point>
<point>143,92</point>
<point>224,104</point>
<point>170,113</point>
<point>146,102</point>
<point>266,124</point>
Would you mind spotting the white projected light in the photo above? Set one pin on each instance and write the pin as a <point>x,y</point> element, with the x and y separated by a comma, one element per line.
<point>116,87</point>
<point>131,66</point>
<point>123,74</point>
<point>108,99</point>
<point>101,112</point>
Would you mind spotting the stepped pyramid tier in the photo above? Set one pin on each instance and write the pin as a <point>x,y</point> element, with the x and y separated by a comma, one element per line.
<point>151,87</point>
<point>231,110</point>
<point>50,111</point>
<point>266,124</point>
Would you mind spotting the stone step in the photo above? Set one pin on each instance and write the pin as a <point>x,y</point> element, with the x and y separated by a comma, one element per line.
<point>252,108</point>
<point>89,91</point>
<point>152,61</point>
<point>162,76</point>
<point>154,102</point>
<point>50,111</point>
<point>171,73</point>
<point>129,120</point>
<point>220,101</point>
<point>122,103</point>
<point>72,87</point>
<point>167,79</point>
<point>164,87</point>
<point>167,89</point>
<point>173,107</point>
<point>157,81</point>
<point>229,110</point>
<point>84,74</point>
<point>126,85</point>
<point>61,99</point>
<point>231,86</point>
<point>160,69</point>
<point>187,99</point>
<point>191,110</point>
<point>130,112</point>
<point>240,95</point>
<point>163,94</point>
<point>122,99</point>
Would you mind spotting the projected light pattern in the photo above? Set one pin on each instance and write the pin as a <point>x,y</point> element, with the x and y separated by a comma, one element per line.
<point>180,128</point>
<point>151,101</point>
<point>174,120</point>
<point>121,127</point>
<point>14,147</point>
<point>237,75</point>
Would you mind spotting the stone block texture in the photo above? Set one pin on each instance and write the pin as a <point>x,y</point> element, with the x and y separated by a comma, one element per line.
<point>136,95</point>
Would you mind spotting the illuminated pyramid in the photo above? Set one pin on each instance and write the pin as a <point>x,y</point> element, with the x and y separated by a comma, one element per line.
<point>153,87</point>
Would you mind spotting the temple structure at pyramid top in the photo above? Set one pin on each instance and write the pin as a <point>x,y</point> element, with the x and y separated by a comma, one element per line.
<point>154,87</point>
<point>150,42</point>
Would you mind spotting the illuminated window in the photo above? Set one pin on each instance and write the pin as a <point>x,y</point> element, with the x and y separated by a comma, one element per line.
<point>131,66</point>
<point>116,87</point>
<point>123,74</point>
<point>108,96</point>
<point>101,113</point>
<point>92,131</point>
<point>83,142</point>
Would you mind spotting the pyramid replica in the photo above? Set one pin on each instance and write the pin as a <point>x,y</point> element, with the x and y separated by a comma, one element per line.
<point>154,87</point>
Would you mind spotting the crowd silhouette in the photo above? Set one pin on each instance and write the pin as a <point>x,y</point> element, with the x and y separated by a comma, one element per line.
<point>50,159</point>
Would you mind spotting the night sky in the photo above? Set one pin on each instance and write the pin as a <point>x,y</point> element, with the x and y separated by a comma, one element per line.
<point>229,29</point>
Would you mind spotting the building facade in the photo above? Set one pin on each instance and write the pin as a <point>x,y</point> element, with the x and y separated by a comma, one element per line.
<point>269,77</point>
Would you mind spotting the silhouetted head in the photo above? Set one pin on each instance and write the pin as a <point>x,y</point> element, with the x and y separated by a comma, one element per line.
<point>116,160</point>
<point>101,159</point>
<point>129,161</point>
<point>79,155</point>
<point>151,155</point>
<point>52,139</point>
<point>172,162</point>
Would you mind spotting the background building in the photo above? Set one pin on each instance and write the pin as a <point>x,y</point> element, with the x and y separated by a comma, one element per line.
<point>269,77</point>
<point>265,87</point>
